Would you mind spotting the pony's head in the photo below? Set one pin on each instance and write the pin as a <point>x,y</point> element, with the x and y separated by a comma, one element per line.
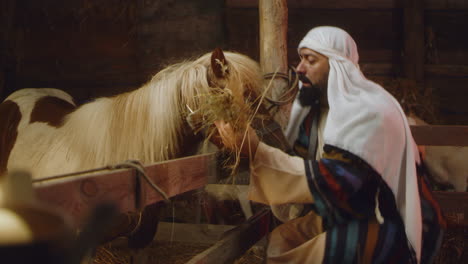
<point>235,84</point>
<point>235,94</point>
<point>219,85</point>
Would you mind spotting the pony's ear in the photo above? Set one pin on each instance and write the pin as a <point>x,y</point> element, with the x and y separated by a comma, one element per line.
<point>219,65</point>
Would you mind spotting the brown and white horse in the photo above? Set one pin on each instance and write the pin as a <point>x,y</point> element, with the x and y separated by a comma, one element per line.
<point>42,131</point>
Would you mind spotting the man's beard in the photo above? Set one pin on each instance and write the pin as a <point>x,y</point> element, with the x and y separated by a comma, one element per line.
<point>309,95</point>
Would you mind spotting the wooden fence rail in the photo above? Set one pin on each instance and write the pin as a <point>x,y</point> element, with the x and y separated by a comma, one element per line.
<point>440,135</point>
<point>76,196</point>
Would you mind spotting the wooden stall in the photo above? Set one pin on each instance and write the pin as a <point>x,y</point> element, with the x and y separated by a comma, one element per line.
<point>101,48</point>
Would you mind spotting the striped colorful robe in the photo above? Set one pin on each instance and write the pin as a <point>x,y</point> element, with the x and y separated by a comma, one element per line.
<point>344,188</point>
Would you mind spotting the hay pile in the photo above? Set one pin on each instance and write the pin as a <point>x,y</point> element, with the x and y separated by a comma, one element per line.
<point>220,104</point>
<point>168,253</point>
<point>414,99</point>
<point>255,255</point>
<point>454,248</point>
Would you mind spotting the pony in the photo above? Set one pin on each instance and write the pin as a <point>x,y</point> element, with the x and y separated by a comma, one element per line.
<point>44,132</point>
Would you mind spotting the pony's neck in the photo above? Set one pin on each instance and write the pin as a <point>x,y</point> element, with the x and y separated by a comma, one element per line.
<point>150,120</point>
<point>145,125</point>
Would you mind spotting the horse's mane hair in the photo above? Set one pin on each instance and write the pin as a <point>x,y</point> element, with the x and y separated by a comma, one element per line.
<point>148,123</point>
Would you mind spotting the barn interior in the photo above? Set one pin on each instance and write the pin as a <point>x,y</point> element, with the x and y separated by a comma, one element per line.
<point>102,48</point>
<point>416,49</point>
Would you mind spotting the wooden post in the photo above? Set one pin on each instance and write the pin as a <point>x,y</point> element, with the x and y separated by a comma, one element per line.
<point>414,41</point>
<point>273,23</point>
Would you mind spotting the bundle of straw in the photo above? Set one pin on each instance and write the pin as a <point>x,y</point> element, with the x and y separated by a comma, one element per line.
<point>221,104</point>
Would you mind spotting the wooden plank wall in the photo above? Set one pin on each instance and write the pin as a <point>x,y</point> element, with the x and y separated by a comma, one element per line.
<point>446,47</point>
<point>78,46</point>
<point>101,48</point>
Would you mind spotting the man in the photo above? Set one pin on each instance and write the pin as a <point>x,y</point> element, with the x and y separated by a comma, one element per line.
<point>366,186</point>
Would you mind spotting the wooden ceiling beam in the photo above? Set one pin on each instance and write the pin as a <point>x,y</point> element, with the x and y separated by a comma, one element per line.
<point>354,4</point>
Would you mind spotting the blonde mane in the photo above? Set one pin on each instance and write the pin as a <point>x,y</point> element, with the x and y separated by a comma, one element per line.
<point>147,124</point>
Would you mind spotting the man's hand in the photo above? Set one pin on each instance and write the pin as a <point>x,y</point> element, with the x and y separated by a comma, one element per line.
<point>245,141</point>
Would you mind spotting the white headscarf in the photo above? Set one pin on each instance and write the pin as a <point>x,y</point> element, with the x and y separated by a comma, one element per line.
<point>367,121</point>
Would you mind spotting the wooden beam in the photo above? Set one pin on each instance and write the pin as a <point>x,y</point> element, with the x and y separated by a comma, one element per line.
<point>77,195</point>
<point>429,70</point>
<point>446,4</point>
<point>446,70</point>
<point>323,4</point>
<point>384,69</point>
<point>354,4</point>
<point>236,241</point>
<point>440,135</point>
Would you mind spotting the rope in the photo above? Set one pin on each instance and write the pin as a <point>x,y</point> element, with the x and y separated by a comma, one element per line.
<point>137,225</point>
<point>292,79</point>
<point>135,164</point>
<point>129,164</point>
